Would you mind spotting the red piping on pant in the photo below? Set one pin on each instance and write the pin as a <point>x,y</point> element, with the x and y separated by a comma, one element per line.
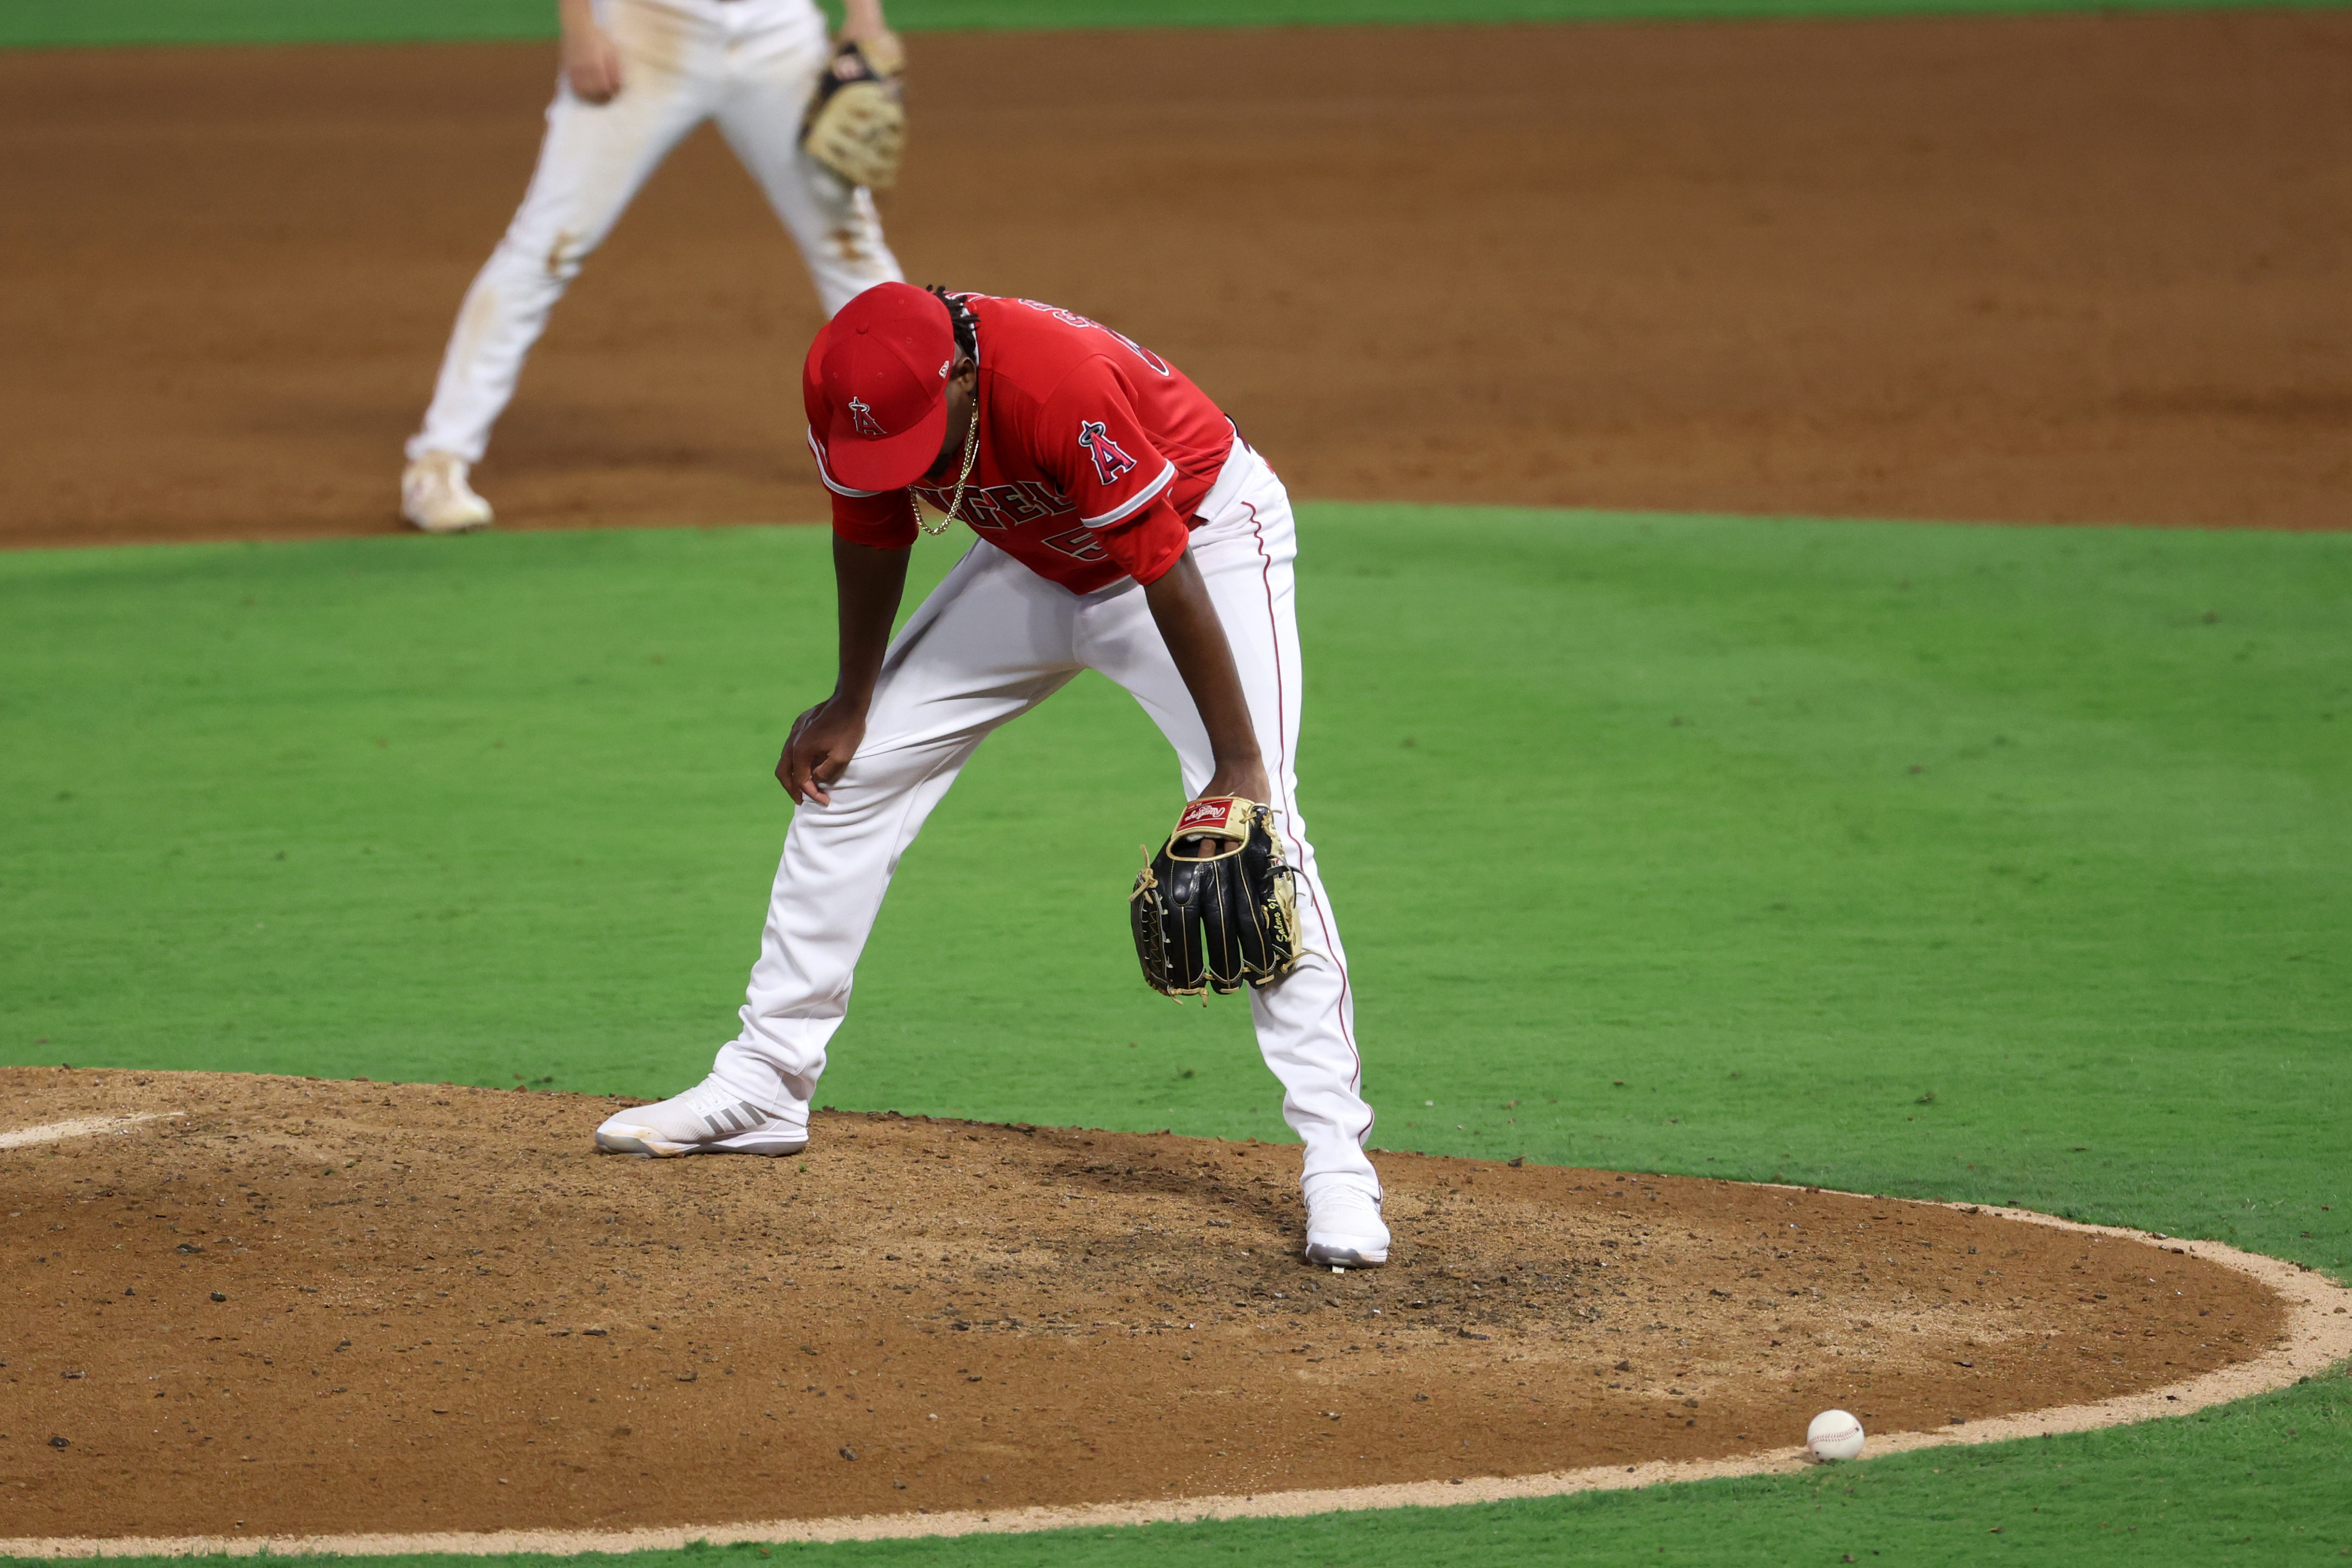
<point>1282,723</point>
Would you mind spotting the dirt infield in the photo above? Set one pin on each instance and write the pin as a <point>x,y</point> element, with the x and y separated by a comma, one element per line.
<point>282,1306</point>
<point>2073,268</point>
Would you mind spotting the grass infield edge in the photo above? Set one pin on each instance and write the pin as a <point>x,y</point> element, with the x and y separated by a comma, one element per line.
<point>82,24</point>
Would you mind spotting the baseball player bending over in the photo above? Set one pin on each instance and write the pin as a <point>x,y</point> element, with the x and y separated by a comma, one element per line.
<point>637,76</point>
<point>1123,526</point>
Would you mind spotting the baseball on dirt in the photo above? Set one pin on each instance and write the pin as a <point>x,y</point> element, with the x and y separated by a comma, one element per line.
<point>1835,1434</point>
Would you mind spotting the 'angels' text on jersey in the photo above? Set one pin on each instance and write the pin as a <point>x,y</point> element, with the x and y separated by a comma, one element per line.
<point>993,509</point>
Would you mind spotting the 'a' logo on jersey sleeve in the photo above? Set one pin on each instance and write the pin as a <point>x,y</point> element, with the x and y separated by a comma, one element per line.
<point>861,414</point>
<point>1111,463</point>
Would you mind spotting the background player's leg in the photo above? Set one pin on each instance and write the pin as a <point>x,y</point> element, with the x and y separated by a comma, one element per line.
<point>990,642</point>
<point>593,162</point>
<point>771,74</point>
<point>1305,1022</point>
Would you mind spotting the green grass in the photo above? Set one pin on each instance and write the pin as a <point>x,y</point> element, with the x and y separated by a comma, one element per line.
<point>1969,863</point>
<point>50,23</point>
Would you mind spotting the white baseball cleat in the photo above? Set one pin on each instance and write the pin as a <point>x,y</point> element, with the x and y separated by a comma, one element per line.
<point>435,496</point>
<point>1344,1228</point>
<point>705,1120</point>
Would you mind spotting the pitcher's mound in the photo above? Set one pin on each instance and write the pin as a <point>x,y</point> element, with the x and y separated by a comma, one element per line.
<point>287,1307</point>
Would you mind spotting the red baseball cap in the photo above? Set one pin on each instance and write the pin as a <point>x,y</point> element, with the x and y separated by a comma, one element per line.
<point>876,385</point>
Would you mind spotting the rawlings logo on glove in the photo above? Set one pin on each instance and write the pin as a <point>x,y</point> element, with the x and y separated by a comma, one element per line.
<point>1215,909</point>
<point>1220,816</point>
<point>856,125</point>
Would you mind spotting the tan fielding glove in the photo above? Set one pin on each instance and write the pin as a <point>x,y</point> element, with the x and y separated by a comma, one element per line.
<point>856,125</point>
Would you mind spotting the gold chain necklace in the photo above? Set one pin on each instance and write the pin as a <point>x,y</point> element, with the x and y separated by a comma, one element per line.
<point>971,455</point>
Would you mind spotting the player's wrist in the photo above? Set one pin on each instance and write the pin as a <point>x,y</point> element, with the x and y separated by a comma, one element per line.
<point>1245,776</point>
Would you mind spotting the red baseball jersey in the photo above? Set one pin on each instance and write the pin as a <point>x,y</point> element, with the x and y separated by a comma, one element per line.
<point>1094,453</point>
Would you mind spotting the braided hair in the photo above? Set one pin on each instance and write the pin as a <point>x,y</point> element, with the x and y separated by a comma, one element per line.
<point>959,318</point>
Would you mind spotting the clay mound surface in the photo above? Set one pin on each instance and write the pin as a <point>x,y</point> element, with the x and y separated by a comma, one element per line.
<point>282,1306</point>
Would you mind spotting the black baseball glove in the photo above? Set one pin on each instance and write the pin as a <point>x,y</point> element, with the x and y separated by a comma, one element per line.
<point>1216,910</point>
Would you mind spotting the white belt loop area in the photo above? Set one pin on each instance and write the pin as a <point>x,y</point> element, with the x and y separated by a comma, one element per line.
<point>1229,479</point>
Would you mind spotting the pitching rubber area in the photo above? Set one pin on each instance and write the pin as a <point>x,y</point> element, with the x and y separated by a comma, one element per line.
<point>265,1313</point>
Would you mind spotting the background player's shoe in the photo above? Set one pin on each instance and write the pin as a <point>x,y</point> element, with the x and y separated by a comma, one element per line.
<point>705,1120</point>
<point>1344,1228</point>
<point>435,496</point>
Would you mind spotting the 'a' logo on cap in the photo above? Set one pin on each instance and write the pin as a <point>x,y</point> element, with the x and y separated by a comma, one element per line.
<point>862,415</point>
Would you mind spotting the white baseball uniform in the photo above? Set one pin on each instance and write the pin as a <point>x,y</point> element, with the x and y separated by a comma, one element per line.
<point>751,64</point>
<point>993,640</point>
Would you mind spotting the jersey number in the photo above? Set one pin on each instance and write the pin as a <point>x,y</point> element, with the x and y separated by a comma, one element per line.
<point>1072,319</point>
<point>1077,542</point>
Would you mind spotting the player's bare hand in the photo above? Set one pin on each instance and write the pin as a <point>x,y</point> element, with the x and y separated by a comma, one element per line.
<point>1246,780</point>
<point>823,740</point>
<point>591,64</point>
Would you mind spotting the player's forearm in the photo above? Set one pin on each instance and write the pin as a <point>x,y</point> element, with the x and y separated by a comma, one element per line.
<point>575,16</point>
<point>1188,623</point>
<point>869,583</point>
<point>861,19</point>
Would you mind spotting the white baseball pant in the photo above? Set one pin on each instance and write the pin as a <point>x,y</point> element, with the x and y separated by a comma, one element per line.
<point>993,641</point>
<point>751,64</point>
